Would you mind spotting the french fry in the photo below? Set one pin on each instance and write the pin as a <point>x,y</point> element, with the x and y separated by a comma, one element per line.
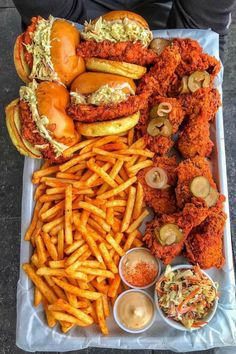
<point>34,220</point>
<point>98,272</point>
<point>100,316</point>
<point>66,326</point>
<point>138,221</point>
<point>100,142</point>
<point>52,211</point>
<point>118,189</point>
<point>50,225</point>
<point>68,152</point>
<point>113,174</point>
<point>129,209</point>
<point>43,172</point>
<point>101,287</point>
<point>90,295</point>
<point>61,316</point>
<point>130,136</point>
<point>93,209</point>
<point>67,175</point>
<point>110,216</point>
<point>115,245</point>
<point>139,166</point>
<point>51,272</point>
<point>137,243</point>
<point>68,215</point>
<point>39,191</point>
<point>60,245</point>
<point>116,203</point>
<point>75,161</point>
<point>106,227</point>
<point>107,258</point>
<point>138,201</point>
<point>49,246</point>
<point>59,292</point>
<point>50,318</point>
<point>96,227</point>
<point>118,238</point>
<point>76,275</point>
<point>130,239</point>
<point>92,245</point>
<point>75,255</point>
<point>57,264</point>
<point>37,297</point>
<point>56,229</point>
<point>71,248</point>
<point>114,286</point>
<point>101,172</point>
<point>105,304</point>
<point>140,152</point>
<point>64,306</point>
<point>41,251</point>
<point>39,283</point>
<point>111,154</point>
<point>49,198</point>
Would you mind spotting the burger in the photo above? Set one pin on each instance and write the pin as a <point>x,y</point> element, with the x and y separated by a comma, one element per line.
<point>37,122</point>
<point>47,51</point>
<point>117,43</point>
<point>105,104</point>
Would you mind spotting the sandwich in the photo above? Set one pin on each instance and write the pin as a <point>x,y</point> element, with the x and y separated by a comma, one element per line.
<point>37,122</point>
<point>105,104</point>
<point>117,43</point>
<point>47,51</point>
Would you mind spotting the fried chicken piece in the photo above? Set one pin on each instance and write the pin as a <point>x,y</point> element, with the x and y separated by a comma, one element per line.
<point>161,144</point>
<point>161,200</point>
<point>205,100</point>
<point>195,138</point>
<point>194,59</point>
<point>134,53</point>
<point>204,245</point>
<point>191,216</point>
<point>160,76</point>
<point>186,171</point>
<point>90,113</point>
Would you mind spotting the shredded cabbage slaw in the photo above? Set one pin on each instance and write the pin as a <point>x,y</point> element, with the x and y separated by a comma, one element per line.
<point>116,31</point>
<point>186,295</point>
<point>104,95</point>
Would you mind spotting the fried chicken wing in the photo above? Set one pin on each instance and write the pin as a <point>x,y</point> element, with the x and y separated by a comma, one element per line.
<point>134,53</point>
<point>193,58</point>
<point>161,200</point>
<point>191,216</point>
<point>195,138</point>
<point>161,144</point>
<point>186,171</point>
<point>160,76</point>
<point>204,245</point>
<point>205,100</point>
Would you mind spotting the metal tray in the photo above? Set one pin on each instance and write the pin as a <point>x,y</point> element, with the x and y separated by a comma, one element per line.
<point>32,333</point>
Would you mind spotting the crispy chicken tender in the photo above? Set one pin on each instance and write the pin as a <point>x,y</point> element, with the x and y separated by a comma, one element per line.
<point>193,58</point>
<point>134,53</point>
<point>192,215</point>
<point>186,171</point>
<point>161,200</point>
<point>160,76</point>
<point>90,113</point>
<point>161,144</point>
<point>204,245</point>
<point>205,100</point>
<point>195,138</point>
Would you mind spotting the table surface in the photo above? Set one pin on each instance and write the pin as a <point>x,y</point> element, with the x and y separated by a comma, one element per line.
<point>11,168</point>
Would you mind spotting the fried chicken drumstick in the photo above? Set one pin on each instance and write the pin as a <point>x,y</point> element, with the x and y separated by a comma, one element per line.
<point>165,236</point>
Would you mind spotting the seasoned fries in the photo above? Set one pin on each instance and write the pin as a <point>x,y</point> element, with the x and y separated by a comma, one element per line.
<point>87,214</point>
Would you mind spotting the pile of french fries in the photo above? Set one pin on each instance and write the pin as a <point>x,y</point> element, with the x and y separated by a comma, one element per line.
<point>87,214</point>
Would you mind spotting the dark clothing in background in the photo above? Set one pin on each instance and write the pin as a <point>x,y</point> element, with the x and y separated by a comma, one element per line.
<point>203,14</point>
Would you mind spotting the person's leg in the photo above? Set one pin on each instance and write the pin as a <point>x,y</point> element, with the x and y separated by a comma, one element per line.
<point>73,10</point>
<point>204,14</point>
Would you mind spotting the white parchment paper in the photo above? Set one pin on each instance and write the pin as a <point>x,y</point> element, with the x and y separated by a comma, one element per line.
<point>32,333</point>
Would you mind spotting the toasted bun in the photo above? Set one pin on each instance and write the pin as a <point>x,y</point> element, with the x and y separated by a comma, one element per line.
<point>64,39</point>
<point>120,15</point>
<point>116,126</point>
<point>131,71</point>
<point>90,82</point>
<point>53,99</point>
<point>21,66</point>
<point>13,123</point>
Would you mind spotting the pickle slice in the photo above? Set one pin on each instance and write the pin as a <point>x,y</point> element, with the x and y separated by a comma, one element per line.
<point>156,178</point>
<point>184,85</point>
<point>153,111</point>
<point>200,187</point>
<point>159,126</point>
<point>159,44</point>
<point>198,79</point>
<point>212,197</point>
<point>169,234</point>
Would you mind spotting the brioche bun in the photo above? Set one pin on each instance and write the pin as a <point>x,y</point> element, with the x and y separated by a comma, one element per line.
<point>131,71</point>
<point>64,39</point>
<point>122,14</point>
<point>90,82</point>
<point>114,127</point>
<point>13,123</point>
